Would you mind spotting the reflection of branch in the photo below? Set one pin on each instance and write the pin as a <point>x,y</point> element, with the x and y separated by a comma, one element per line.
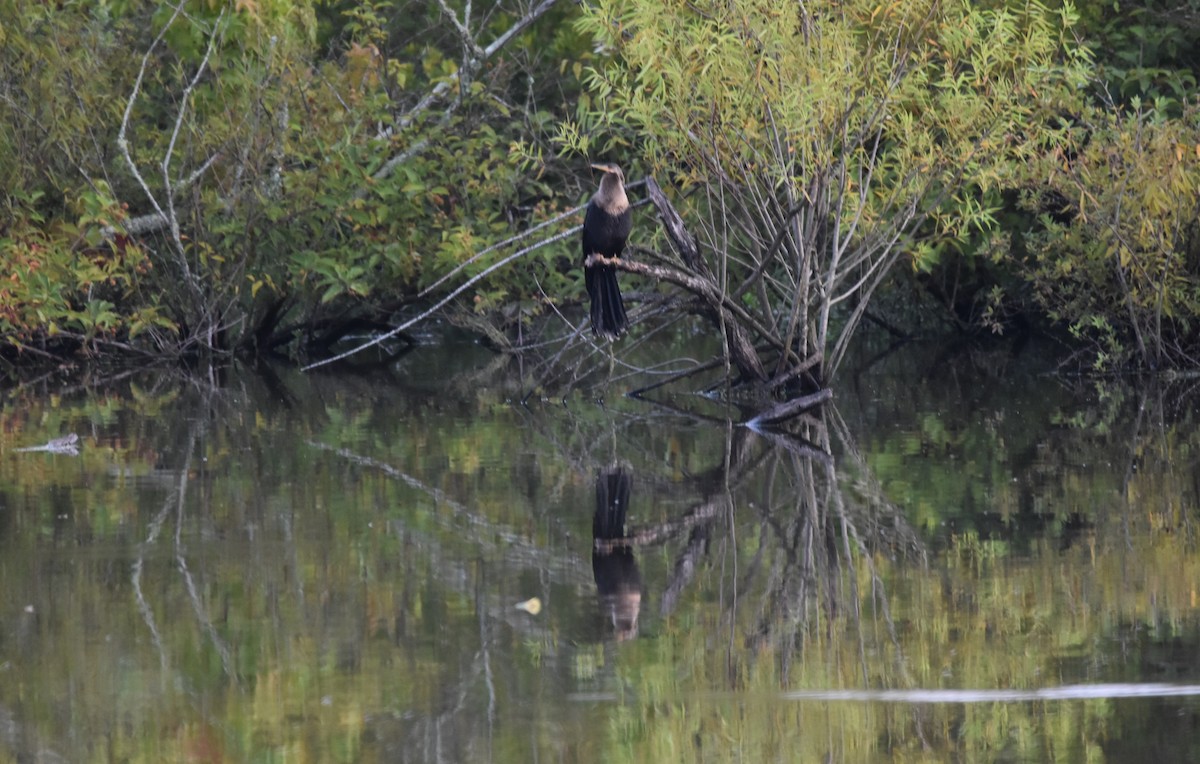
<point>737,465</point>
<point>22,743</point>
<point>189,582</point>
<point>879,535</point>
<point>176,500</point>
<point>685,568</point>
<point>138,565</point>
<point>796,446</point>
<point>789,409</point>
<point>437,743</point>
<point>514,545</point>
<point>897,533</point>
<point>789,587</point>
<point>486,653</point>
<point>156,525</point>
<point>660,533</point>
<point>820,534</point>
<point>202,614</point>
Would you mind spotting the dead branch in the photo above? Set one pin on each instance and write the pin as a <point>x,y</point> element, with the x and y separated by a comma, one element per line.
<point>477,57</point>
<point>123,142</point>
<point>808,364</point>
<point>164,208</point>
<point>789,409</point>
<point>739,343</point>
<point>445,300</point>
<point>471,65</point>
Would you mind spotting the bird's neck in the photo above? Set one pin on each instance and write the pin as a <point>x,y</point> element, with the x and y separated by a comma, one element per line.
<point>611,196</point>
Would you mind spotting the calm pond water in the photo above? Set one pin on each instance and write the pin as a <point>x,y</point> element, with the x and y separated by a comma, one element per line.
<point>961,559</point>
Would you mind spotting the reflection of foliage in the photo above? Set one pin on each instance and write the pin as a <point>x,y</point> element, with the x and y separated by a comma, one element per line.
<point>1012,457</point>
<point>331,573</point>
<point>984,617</point>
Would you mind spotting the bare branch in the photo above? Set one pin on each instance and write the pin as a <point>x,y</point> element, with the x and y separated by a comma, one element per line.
<point>122,141</point>
<point>468,71</point>
<point>165,218</point>
<point>469,43</point>
<point>168,187</point>
<point>789,409</point>
<point>445,300</point>
<point>500,245</point>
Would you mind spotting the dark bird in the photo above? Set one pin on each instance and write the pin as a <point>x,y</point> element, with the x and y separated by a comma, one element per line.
<point>605,229</point>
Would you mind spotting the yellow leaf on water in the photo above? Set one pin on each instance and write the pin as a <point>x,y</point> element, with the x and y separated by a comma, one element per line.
<point>533,606</point>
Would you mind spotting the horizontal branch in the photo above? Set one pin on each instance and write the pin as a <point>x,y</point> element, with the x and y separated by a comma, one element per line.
<point>739,345</point>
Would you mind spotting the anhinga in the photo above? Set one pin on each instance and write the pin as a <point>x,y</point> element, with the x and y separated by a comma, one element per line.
<point>605,229</point>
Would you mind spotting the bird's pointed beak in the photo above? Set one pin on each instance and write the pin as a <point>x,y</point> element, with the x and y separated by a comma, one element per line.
<point>602,167</point>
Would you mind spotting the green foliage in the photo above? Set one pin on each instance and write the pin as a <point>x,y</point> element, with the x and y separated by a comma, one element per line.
<point>1095,234</point>
<point>1145,50</point>
<point>1116,255</point>
<point>64,283</point>
<point>849,134</point>
<point>313,162</point>
<point>328,160</point>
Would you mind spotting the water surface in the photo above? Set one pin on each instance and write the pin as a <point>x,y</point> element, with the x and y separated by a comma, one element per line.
<point>962,558</point>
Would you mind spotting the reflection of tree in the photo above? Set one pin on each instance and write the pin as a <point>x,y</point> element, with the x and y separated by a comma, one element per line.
<point>383,564</point>
<point>497,541</point>
<point>367,568</point>
<point>815,523</point>
<point>822,524</point>
<point>816,514</point>
<point>175,502</point>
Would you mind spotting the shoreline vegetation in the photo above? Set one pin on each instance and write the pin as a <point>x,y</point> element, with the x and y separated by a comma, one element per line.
<point>297,179</point>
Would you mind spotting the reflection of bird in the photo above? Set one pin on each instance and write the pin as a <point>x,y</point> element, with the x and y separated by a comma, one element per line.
<point>618,581</point>
<point>605,229</point>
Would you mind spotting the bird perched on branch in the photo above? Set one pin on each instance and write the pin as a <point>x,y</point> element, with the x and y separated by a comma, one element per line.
<point>605,229</point>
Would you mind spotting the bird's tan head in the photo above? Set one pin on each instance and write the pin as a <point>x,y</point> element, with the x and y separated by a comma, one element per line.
<point>611,195</point>
<point>610,169</point>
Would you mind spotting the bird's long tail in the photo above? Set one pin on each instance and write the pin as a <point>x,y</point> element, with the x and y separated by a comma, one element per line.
<point>608,309</point>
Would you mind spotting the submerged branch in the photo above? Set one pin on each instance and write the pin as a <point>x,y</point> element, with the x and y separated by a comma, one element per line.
<point>792,408</point>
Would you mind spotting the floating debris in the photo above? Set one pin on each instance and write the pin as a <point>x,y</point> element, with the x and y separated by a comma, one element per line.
<point>67,444</point>
<point>533,606</point>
